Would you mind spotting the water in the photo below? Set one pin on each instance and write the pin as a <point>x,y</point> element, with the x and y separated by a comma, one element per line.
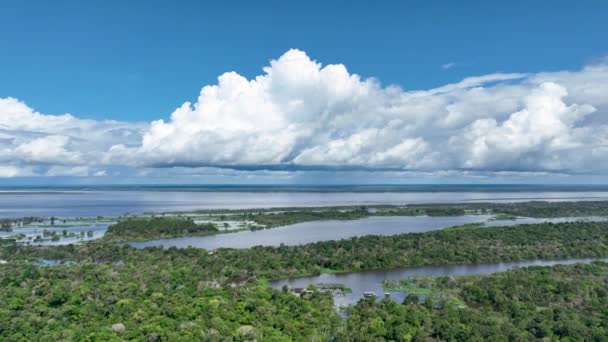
<point>98,229</point>
<point>315,231</point>
<point>371,281</point>
<point>92,203</point>
<point>308,232</point>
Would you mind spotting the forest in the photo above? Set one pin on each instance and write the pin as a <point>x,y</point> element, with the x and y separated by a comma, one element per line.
<point>101,290</point>
<point>134,229</point>
<point>470,244</point>
<point>114,302</point>
<point>567,303</point>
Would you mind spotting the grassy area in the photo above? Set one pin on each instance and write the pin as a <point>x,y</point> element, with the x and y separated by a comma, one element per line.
<point>504,217</point>
<point>330,271</point>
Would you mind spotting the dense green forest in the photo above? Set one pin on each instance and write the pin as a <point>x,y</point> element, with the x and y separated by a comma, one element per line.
<point>107,291</point>
<point>271,220</point>
<point>530,208</point>
<point>535,303</point>
<point>470,244</point>
<point>97,302</point>
<point>93,301</point>
<point>132,229</point>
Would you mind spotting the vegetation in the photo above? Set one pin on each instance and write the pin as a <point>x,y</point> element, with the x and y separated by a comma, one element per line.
<point>123,301</point>
<point>115,292</point>
<point>133,229</point>
<point>274,217</point>
<point>504,217</point>
<point>337,288</point>
<point>566,303</point>
<point>101,290</point>
<point>530,209</point>
<point>277,219</point>
<point>452,246</point>
<point>146,228</point>
<point>105,302</point>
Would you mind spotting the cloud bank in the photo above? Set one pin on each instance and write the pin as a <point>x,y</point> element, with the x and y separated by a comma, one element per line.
<point>301,115</point>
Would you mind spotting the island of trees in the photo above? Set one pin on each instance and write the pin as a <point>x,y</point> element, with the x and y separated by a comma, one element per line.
<point>133,229</point>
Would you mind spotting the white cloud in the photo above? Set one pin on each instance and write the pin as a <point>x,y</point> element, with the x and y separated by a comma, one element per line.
<point>536,135</point>
<point>100,173</point>
<point>76,171</point>
<point>48,149</point>
<point>302,114</point>
<point>9,171</point>
<point>29,138</point>
<point>299,114</point>
<point>447,66</point>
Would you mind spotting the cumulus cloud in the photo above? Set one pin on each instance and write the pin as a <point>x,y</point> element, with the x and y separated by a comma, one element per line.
<point>532,137</point>
<point>32,143</point>
<point>301,115</point>
<point>48,149</point>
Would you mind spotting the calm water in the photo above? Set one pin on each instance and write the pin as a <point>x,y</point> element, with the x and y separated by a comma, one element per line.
<point>360,282</point>
<point>309,232</point>
<point>118,202</point>
<point>316,231</point>
<point>98,229</point>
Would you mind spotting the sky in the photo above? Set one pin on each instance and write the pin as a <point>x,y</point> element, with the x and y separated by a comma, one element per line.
<point>108,92</point>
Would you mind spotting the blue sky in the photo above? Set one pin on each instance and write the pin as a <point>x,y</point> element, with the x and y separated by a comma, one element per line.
<point>138,61</point>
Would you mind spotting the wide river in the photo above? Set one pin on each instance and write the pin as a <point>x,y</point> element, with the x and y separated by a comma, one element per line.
<point>315,231</point>
<point>371,281</point>
<point>91,203</point>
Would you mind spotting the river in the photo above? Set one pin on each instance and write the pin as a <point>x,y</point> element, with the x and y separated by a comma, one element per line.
<point>316,231</point>
<point>92,203</point>
<point>371,281</point>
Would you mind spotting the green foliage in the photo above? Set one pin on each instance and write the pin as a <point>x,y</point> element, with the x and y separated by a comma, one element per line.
<point>444,247</point>
<point>132,229</point>
<point>271,220</point>
<point>566,303</point>
<point>116,292</point>
<point>527,209</point>
<point>104,302</point>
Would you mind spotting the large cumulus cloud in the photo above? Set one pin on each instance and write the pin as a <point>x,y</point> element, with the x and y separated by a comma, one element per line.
<point>305,115</point>
<point>301,115</point>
